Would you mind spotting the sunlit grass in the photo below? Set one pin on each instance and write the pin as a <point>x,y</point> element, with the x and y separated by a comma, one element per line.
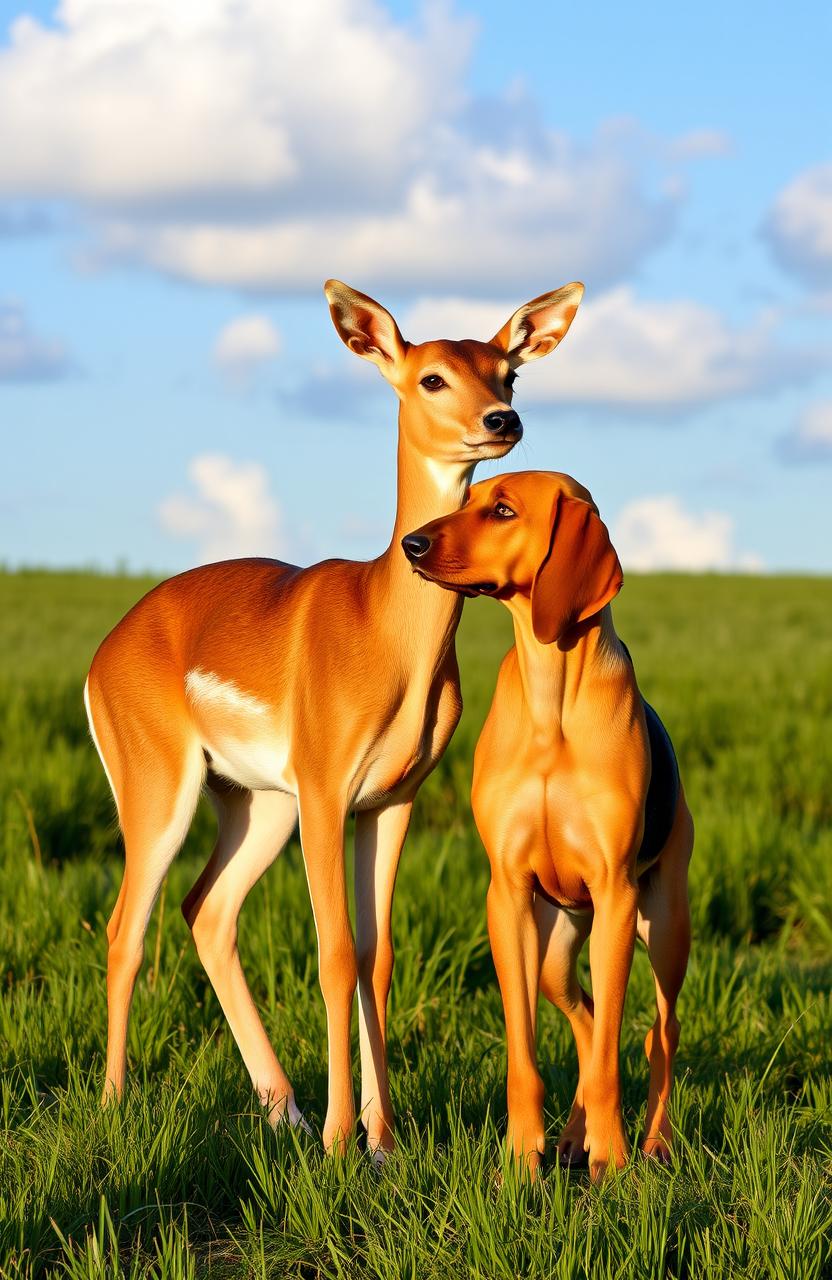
<point>187,1179</point>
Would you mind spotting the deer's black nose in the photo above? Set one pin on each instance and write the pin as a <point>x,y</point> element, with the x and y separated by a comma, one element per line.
<point>502,421</point>
<point>415,545</point>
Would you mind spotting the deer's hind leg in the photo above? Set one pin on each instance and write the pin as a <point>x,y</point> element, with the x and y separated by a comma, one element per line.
<point>254,826</point>
<point>156,773</point>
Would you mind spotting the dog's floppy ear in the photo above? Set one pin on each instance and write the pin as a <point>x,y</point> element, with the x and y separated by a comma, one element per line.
<point>536,329</point>
<point>579,574</point>
<point>365,326</point>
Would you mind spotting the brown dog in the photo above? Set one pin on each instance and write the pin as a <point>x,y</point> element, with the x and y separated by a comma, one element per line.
<point>578,801</point>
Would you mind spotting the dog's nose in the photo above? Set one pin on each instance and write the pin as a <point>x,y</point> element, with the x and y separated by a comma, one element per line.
<point>415,545</point>
<point>501,422</point>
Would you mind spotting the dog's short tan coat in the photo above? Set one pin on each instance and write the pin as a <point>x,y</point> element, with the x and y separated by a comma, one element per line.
<point>561,776</point>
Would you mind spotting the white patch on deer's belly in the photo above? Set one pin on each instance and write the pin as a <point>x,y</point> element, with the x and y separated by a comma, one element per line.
<point>205,689</point>
<point>239,733</point>
<point>259,765</point>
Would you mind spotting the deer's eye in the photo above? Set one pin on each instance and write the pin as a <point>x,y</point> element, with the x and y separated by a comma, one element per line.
<point>511,378</point>
<point>503,511</point>
<point>433,382</point>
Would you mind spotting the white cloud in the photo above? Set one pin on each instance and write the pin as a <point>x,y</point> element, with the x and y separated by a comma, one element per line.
<point>231,514</point>
<point>629,353</point>
<point>799,226</point>
<point>658,533</point>
<point>245,344</point>
<point>24,355</point>
<point>484,219</point>
<point>810,440</point>
<point>268,146</point>
<point>158,102</point>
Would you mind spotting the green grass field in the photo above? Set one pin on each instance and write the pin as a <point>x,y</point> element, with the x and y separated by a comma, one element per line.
<point>187,1179</point>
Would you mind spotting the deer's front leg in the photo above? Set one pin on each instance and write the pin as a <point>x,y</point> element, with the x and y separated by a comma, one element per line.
<point>379,836</point>
<point>322,821</point>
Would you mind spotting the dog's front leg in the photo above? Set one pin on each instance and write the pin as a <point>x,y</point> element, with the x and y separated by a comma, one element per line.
<point>515,948</point>
<point>322,820</point>
<point>379,836</point>
<point>611,945</point>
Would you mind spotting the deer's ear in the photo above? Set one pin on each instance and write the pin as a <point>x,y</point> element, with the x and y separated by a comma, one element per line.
<point>536,329</point>
<point>365,326</point>
<point>579,574</point>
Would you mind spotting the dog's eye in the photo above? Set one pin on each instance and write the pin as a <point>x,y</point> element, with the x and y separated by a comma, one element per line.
<point>432,382</point>
<point>503,512</point>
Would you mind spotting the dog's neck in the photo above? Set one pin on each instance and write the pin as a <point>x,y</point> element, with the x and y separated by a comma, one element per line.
<point>557,678</point>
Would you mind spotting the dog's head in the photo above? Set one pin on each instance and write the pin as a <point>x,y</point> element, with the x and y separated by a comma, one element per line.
<point>532,533</point>
<point>456,396</point>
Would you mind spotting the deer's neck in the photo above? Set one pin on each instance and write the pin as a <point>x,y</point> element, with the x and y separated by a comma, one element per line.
<point>426,489</point>
<point>424,615</point>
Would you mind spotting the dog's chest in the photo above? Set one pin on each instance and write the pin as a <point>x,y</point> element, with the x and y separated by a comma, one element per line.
<point>559,835</point>
<point>545,814</point>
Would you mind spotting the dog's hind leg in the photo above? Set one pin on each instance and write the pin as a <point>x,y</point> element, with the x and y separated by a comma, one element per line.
<point>562,934</point>
<point>664,927</point>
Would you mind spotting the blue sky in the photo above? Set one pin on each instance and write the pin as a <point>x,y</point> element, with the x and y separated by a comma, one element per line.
<point>176,181</point>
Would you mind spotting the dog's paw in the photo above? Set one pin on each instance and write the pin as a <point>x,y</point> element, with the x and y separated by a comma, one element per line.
<point>658,1149</point>
<point>571,1152</point>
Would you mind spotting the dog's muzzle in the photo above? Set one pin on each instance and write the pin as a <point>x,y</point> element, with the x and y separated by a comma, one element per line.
<point>415,545</point>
